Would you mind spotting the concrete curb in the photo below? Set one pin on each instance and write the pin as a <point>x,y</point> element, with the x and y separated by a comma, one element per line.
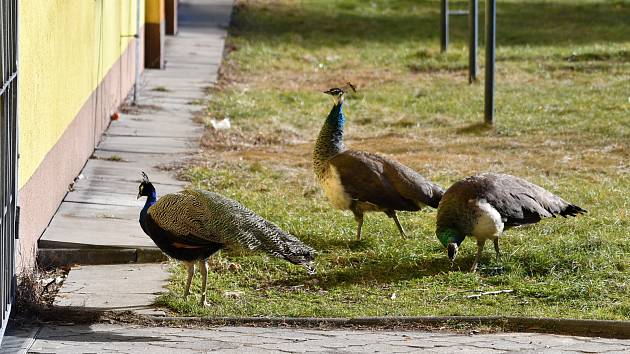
<point>586,328</point>
<point>56,257</point>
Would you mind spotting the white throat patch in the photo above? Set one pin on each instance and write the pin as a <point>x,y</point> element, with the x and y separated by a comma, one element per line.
<point>488,224</point>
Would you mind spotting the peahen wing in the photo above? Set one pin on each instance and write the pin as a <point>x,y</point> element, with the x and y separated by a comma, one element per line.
<point>363,177</point>
<point>520,202</point>
<point>410,184</point>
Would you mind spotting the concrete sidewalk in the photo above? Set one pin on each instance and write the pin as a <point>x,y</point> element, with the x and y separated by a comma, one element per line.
<point>103,338</point>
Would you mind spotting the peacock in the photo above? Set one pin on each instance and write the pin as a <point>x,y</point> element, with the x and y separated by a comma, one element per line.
<point>485,205</point>
<point>192,225</point>
<point>363,182</point>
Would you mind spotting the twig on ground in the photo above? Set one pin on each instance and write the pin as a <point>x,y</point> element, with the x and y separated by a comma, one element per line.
<point>476,296</point>
<point>459,292</point>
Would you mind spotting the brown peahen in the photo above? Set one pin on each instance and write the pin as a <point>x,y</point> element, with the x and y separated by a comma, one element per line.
<point>192,225</point>
<point>484,205</point>
<point>363,182</point>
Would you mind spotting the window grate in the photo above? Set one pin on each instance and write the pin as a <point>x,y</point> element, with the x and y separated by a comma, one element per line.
<point>8,155</point>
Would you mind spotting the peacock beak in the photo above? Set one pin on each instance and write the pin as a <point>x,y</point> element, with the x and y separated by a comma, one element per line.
<point>452,251</point>
<point>310,268</point>
<point>138,195</point>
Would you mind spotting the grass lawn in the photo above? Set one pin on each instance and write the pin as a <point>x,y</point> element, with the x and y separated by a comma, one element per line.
<point>562,121</point>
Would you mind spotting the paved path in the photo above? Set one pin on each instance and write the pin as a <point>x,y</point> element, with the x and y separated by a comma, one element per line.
<point>135,288</point>
<point>133,339</point>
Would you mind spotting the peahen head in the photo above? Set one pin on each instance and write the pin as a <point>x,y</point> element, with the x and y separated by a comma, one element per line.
<point>451,239</point>
<point>146,188</point>
<point>338,93</point>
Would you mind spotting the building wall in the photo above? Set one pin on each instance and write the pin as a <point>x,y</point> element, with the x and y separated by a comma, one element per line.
<point>76,65</point>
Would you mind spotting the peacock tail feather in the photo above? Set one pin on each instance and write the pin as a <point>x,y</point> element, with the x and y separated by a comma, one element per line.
<point>204,215</point>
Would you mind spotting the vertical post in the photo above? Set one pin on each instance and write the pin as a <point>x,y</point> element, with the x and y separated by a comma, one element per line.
<point>491,20</point>
<point>154,32</point>
<point>444,25</point>
<point>171,16</point>
<point>136,82</point>
<point>473,25</point>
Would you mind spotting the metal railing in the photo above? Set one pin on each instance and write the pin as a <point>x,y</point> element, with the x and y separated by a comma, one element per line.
<point>490,30</point>
<point>8,156</point>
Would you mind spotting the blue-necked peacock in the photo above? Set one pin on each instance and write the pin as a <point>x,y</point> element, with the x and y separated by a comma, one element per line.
<point>364,182</point>
<point>484,205</point>
<point>193,224</point>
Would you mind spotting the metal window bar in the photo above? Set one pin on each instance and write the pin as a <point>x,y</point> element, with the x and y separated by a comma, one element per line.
<point>8,156</point>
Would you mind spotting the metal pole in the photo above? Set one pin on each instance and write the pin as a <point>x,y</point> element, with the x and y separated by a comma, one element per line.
<point>491,20</point>
<point>444,25</point>
<point>136,82</point>
<point>473,39</point>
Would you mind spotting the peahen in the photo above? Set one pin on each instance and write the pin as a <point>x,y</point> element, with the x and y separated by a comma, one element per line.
<point>484,205</point>
<point>363,182</point>
<point>192,225</point>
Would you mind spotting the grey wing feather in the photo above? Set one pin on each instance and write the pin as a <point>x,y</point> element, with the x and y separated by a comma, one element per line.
<point>520,202</point>
<point>410,184</point>
<point>384,182</point>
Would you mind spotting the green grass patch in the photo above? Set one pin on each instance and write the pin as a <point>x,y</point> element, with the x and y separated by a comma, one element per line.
<point>562,121</point>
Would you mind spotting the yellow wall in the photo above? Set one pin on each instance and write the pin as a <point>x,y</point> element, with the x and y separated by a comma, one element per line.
<point>65,49</point>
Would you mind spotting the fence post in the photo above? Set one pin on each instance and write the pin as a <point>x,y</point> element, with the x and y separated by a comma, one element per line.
<point>490,59</point>
<point>473,25</point>
<point>444,25</point>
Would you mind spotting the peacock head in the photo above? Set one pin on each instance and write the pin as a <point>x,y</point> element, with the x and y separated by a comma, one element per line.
<point>338,93</point>
<point>451,239</point>
<point>146,188</point>
<point>305,258</point>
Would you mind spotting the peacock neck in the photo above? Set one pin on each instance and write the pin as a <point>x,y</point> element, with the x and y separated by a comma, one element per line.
<point>448,235</point>
<point>330,140</point>
<point>151,199</point>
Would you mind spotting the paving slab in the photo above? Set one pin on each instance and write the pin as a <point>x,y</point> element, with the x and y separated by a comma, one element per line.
<point>100,338</point>
<point>136,287</point>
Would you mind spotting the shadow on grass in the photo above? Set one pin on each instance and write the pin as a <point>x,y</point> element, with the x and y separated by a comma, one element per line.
<point>378,271</point>
<point>331,24</point>
<point>475,129</point>
<point>322,244</point>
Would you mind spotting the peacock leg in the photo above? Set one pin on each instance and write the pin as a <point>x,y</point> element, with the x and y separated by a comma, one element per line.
<point>480,244</point>
<point>392,214</point>
<point>358,216</point>
<point>190,266</point>
<point>203,267</point>
<point>496,248</point>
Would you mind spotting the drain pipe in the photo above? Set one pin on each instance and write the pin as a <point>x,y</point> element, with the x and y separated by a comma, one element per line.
<point>136,82</point>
